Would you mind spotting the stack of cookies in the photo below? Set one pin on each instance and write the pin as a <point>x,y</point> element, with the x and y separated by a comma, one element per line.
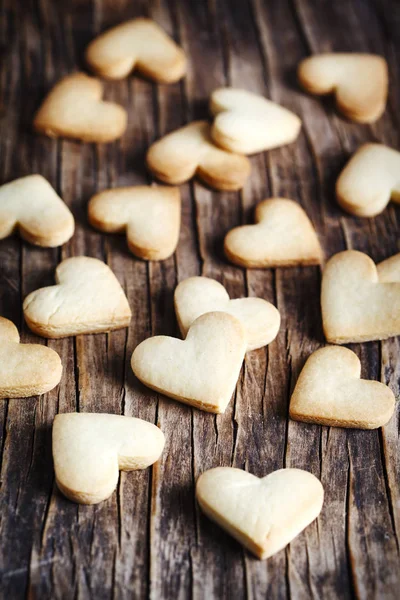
<point>359,300</point>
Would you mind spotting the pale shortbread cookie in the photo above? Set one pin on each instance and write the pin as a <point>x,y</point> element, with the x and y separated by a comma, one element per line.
<point>248,123</point>
<point>356,306</point>
<point>87,299</point>
<point>189,151</point>
<point>389,269</point>
<point>31,206</point>
<point>89,450</point>
<point>137,44</point>
<point>202,370</point>
<point>369,180</point>
<point>74,109</point>
<point>282,237</point>
<point>199,295</point>
<point>25,369</point>
<point>151,217</point>
<point>262,514</point>
<point>329,391</point>
<point>359,81</point>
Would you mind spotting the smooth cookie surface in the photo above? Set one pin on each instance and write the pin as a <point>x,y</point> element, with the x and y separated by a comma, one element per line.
<point>202,370</point>
<point>87,299</point>
<point>262,514</point>
<point>283,236</point>
<point>150,216</point>
<point>89,450</point>
<point>25,369</point>
<point>32,206</point>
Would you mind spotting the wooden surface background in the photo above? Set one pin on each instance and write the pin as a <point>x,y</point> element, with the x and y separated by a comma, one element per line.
<point>149,539</point>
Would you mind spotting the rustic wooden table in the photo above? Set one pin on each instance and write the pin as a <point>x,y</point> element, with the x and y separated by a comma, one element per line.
<point>149,539</point>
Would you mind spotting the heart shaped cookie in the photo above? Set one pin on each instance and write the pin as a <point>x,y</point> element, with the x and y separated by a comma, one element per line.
<point>356,306</point>
<point>262,514</point>
<point>31,205</point>
<point>151,217</point>
<point>199,295</point>
<point>248,123</point>
<point>202,370</point>
<point>369,180</point>
<point>74,109</point>
<point>89,450</point>
<point>359,81</point>
<point>329,391</point>
<point>25,369</point>
<point>389,269</point>
<point>189,151</point>
<point>137,44</point>
<point>87,299</point>
<point>282,237</point>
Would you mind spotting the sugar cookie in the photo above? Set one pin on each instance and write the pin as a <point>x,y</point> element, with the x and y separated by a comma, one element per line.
<point>74,109</point>
<point>136,44</point>
<point>150,216</point>
<point>359,81</point>
<point>369,180</point>
<point>199,295</point>
<point>248,123</point>
<point>25,369</point>
<point>89,450</point>
<point>87,299</point>
<point>282,237</point>
<point>202,370</point>
<point>31,206</point>
<point>329,391</point>
<point>262,514</point>
<point>356,306</point>
<point>189,151</point>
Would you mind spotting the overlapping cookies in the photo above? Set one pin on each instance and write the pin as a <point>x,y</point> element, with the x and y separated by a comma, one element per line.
<point>359,300</point>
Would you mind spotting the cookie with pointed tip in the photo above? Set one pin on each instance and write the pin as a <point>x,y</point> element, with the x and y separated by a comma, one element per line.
<point>369,181</point>
<point>196,296</point>
<point>283,236</point>
<point>248,123</point>
<point>359,81</point>
<point>87,299</point>
<point>189,151</point>
<point>149,215</point>
<point>330,392</point>
<point>356,306</point>
<point>74,109</point>
<point>202,370</point>
<point>89,450</point>
<point>264,514</point>
<point>31,206</point>
<point>389,269</point>
<point>138,44</point>
<point>25,369</point>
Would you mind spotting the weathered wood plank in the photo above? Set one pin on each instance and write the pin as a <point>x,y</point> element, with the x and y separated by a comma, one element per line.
<point>150,539</point>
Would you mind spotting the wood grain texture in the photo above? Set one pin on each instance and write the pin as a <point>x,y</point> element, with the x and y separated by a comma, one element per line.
<point>149,539</point>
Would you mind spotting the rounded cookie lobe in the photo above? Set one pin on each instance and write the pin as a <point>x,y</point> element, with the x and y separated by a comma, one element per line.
<point>25,369</point>
<point>31,205</point>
